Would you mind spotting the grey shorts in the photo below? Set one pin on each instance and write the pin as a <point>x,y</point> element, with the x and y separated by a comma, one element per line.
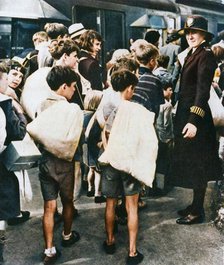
<point>56,177</point>
<point>116,183</point>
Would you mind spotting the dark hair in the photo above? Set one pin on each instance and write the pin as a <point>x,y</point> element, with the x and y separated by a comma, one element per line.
<point>63,46</point>
<point>123,78</point>
<point>87,39</point>
<point>59,75</point>
<point>152,36</point>
<point>163,60</point>
<point>54,30</point>
<point>166,83</point>
<point>126,63</point>
<point>15,65</point>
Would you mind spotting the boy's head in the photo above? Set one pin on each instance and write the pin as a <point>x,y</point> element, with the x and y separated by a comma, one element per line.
<point>126,63</point>
<point>147,55</point>
<point>56,30</point>
<point>62,80</point>
<point>152,36</point>
<point>39,37</point>
<point>91,41</point>
<point>167,89</point>
<point>65,50</point>
<point>124,81</point>
<point>3,78</point>
<point>163,60</point>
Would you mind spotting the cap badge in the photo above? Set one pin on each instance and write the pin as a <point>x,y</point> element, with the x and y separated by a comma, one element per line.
<point>190,22</point>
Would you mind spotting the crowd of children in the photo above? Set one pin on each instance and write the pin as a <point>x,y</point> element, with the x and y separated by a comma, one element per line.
<point>125,132</point>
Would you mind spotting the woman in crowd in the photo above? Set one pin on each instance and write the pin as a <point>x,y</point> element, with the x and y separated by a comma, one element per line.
<point>195,158</point>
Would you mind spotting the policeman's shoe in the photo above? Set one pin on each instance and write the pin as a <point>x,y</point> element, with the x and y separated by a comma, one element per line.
<point>190,220</point>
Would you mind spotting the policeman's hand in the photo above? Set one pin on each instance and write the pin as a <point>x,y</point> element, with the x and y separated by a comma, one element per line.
<point>189,130</point>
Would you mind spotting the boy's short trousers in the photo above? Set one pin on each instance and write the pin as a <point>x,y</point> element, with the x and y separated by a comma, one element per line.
<point>116,183</point>
<point>56,176</point>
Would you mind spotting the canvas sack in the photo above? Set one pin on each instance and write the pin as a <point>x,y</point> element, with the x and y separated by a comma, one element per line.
<point>58,129</point>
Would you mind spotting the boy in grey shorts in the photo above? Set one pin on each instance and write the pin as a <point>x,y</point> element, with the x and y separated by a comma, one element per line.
<point>116,183</point>
<point>57,175</point>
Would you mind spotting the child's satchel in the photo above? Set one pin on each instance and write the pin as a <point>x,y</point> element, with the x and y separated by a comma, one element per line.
<point>20,155</point>
<point>58,129</point>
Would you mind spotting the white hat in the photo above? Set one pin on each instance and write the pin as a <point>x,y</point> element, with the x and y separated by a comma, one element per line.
<point>76,30</point>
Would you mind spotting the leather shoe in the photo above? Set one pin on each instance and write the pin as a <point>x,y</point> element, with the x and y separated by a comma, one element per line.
<point>190,220</point>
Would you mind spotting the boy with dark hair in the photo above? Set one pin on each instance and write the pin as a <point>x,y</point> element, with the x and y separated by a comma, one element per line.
<point>152,36</point>
<point>115,182</point>
<point>62,81</point>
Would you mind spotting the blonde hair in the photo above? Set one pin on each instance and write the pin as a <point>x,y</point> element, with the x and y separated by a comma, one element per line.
<point>92,100</point>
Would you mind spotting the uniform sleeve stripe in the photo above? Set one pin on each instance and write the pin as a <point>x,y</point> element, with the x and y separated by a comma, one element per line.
<point>198,111</point>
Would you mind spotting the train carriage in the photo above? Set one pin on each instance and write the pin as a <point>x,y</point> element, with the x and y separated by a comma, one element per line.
<point>118,21</point>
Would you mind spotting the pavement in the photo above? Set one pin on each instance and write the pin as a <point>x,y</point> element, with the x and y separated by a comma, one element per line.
<point>160,239</point>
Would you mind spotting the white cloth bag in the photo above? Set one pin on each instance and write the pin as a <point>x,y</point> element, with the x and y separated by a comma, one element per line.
<point>133,144</point>
<point>58,129</point>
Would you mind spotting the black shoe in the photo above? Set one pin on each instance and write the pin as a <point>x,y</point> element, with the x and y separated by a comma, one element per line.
<point>19,219</point>
<point>190,220</point>
<point>109,249</point>
<point>135,260</point>
<point>185,212</point>
<point>51,260</point>
<point>72,240</point>
<point>99,199</point>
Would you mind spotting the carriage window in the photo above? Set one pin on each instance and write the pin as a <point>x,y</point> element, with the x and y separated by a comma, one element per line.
<point>22,36</point>
<point>5,40</point>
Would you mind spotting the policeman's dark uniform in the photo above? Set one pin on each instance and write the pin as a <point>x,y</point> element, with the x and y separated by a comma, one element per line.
<point>195,160</point>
